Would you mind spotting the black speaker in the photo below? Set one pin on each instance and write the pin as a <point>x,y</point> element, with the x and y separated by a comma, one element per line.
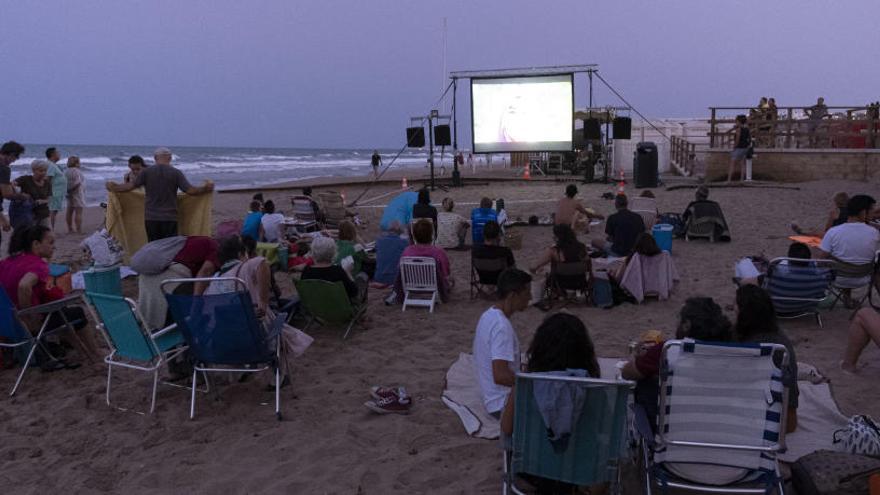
<point>442,137</point>
<point>622,127</point>
<point>592,129</point>
<point>645,165</point>
<point>415,137</point>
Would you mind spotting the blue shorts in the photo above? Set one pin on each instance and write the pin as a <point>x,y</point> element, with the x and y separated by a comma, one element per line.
<point>739,153</point>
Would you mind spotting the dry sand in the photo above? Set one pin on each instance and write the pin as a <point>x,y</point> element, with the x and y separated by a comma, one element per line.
<point>58,435</point>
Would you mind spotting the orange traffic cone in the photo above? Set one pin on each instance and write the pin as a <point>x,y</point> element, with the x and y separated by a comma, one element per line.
<point>527,175</point>
<point>403,184</point>
<point>622,178</point>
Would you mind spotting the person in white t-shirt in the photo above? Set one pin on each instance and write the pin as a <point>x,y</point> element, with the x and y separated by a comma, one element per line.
<point>854,242</point>
<point>496,347</point>
<point>271,223</point>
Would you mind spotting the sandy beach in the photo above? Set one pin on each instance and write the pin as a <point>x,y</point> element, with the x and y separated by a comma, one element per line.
<point>58,434</point>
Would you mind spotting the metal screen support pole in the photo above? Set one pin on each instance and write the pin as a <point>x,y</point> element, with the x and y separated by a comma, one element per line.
<point>431,144</point>
<point>454,115</point>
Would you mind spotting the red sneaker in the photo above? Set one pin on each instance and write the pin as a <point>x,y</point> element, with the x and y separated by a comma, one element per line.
<point>390,405</point>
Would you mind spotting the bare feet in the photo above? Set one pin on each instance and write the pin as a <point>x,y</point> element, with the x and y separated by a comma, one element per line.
<point>849,369</point>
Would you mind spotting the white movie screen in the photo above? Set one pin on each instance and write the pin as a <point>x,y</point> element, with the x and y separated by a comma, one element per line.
<point>532,113</point>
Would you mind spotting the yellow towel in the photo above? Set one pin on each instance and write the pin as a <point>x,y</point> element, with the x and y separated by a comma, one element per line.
<point>125,217</point>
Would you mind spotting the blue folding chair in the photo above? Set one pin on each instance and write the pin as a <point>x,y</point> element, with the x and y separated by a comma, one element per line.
<point>223,332</point>
<point>595,445</point>
<point>17,335</point>
<point>131,344</point>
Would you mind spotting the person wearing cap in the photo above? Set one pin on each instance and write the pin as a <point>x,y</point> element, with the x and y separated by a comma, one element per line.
<point>161,184</point>
<point>9,152</point>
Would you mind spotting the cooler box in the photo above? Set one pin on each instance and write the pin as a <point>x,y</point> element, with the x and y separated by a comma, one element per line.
<point>662,233</point>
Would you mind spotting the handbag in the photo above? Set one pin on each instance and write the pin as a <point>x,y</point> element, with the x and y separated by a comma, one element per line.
<point>826,472</point>
<point>861,436</point>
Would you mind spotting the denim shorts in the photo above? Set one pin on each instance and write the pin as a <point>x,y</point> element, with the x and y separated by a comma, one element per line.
<point>739,153</point>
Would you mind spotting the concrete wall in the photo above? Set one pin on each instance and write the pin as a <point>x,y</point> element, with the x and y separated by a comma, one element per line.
<point>798,165</point>
<point>695,130</point>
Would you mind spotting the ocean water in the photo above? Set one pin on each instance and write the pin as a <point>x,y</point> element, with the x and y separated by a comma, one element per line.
<point>227,167</point>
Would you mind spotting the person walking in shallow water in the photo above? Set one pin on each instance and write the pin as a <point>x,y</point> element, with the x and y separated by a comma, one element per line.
<point>375,161</point>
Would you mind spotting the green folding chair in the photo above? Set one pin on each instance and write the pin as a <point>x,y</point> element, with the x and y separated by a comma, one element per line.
<point>328,304</point>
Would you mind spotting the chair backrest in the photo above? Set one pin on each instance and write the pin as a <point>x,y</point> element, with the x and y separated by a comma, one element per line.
<point>596,441</point>
<point>488,269</point>
<point>333,205</point>
<point>853,270</point>
<point>11,327</point>
<point>641,203</point>
<point>649,217</point>
<point>302,208</point>
<point>103,281</point>
<point>327,301</point>
<point>124,331</point>
<point>571,275</point>
<point>418,273</point>
<point>219,328</point>
<point>708,415</point>
<point>797,285</point>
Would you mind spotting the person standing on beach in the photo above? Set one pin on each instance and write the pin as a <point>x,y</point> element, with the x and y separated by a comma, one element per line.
<point>9,152</point>
<point>135,166</point>
<point>741,142</point>
<point>76,194</point>
<point>59,184</point>
<point>376,160</point>
<point>161,183</point>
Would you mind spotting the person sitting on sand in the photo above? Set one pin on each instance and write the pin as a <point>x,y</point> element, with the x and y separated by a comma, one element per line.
<point>700,318</point>
<point>389,249</point>
<point>561,346</point>
<point>864,328</point>
<point>423,236</point>
<point>496,346</point>
<point>135,166</point>
<point>39,187</point>
<point>570,211</point>
<point>491,248</point>
<point>479,217</point>
<point>423,208</point>
<point>451,227</point>
<point>271,223</point>
<point>566,248</point>
<point>256,275</point>
<point>854,242</point>
<point>704,209</point>
<point>349,246</point>
<point>836,216</point>
<point>501,213</point>
<point>252,225</point>
<point>324,252</point>
<point>756,322</point>
<point>24,276</point>
<point>622,229</point>
<point>301,257</point>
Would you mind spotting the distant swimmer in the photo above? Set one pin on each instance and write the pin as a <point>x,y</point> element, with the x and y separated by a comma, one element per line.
<point>376,160</point>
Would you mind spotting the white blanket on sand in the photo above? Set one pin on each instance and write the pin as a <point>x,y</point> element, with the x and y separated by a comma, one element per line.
<point>818,415</point>
<point>462,395</point>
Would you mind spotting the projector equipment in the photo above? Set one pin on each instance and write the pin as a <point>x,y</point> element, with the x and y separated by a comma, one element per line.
<point>415,137</point>
<point>622,127</point>
<point>442,136</point>
<point>645,165</point>
<point>592,129</point>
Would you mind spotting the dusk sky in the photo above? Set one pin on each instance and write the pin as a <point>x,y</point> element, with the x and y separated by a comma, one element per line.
<point>349,74</point>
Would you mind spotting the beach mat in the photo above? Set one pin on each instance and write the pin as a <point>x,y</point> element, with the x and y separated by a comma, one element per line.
<point>462,395</point>
<point>125,217</point>
<point>818,417</point>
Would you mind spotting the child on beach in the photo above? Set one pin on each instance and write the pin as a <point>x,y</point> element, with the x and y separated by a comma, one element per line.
<point>252,226</point>
<point>135,167</point>
<point>302,259</point>
<point>271,223</point>
<point>496,346</point>
<point>76,194</point>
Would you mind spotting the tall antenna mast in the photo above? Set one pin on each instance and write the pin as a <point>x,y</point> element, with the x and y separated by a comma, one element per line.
<point>443,76</point>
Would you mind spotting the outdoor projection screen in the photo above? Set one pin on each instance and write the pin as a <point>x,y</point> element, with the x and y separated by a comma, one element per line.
<point>533,113</point>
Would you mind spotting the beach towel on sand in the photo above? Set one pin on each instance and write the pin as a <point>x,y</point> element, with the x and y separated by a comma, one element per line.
<point>818,417</point>
<point>125,217</point>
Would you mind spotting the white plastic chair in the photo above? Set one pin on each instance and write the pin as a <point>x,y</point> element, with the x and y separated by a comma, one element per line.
<point>418,275</point>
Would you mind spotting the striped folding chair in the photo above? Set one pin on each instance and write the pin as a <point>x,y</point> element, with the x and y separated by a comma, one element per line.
<point>418,275</point>
<point>718,431</point>
<point>797,286</point>
<point>589,453</point>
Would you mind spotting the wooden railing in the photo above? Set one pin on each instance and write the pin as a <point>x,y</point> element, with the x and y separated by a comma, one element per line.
<point>843,127</point>
<point>682,155</point>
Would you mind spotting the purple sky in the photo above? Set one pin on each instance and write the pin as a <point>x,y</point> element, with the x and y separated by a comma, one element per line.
<point>349,74</point>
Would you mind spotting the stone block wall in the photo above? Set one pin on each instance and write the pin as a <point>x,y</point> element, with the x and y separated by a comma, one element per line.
<point>799,165</point>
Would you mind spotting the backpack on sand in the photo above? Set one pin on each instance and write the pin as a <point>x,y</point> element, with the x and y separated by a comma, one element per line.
<point>827,472</point>
<point>861,436</point>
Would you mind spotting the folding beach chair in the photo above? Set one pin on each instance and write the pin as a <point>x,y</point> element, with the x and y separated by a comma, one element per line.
<point>15,334</point>
<point>333,206</point>
<point>590,453</point>
<point>328,304</point>
<point>717,431</point>
<point>304,212</point>
<point>707,221</point>
<point>797,286</point>
<point>224,334</point>
<point>646,208</point>
<point>484,273</point>
<point>649,276</point>
<point>849,277</point>
<point>418,275</point>
<point>131,344</point>
<point>575,276</point>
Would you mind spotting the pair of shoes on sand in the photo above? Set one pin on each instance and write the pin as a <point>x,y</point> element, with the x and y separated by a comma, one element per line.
<point>387,400</point>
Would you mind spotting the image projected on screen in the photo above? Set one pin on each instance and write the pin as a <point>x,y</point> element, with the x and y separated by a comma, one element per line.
<point>522,113</point>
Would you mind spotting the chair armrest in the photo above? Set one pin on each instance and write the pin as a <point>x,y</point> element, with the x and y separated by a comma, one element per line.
<point>51,307</point>
<point>642,425</point>
<point>159,333</point>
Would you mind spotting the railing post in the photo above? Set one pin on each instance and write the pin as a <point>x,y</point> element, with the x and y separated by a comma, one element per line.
<point>789,127</point>
<point>712,128</point>
<point>872,128</point>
